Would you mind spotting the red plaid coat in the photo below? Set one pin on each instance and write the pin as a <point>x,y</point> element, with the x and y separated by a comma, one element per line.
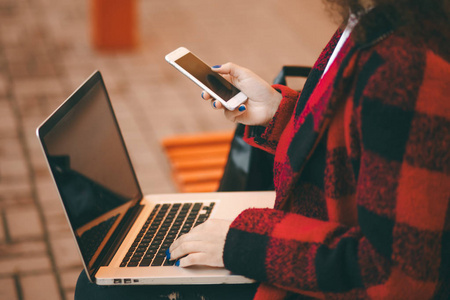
<point>362,175</point>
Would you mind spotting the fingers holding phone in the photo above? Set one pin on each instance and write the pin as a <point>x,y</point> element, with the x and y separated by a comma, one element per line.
<point>262,102</point>
<point>231,86</point>
<point>231,115</point>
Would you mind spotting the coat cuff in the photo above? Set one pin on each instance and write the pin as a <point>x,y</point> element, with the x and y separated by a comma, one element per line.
<point>247,240</point>
<point>267,138</point>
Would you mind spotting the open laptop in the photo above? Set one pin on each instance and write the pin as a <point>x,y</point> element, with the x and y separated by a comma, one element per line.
<point>121,235</point>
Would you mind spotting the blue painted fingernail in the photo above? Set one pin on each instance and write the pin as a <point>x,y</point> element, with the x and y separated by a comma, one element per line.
<point>216,66</point>
<point>242,108</point>
<point>168,254</point>
<point>177,264</point>
<point>214,104</point>
<point>202,95</point>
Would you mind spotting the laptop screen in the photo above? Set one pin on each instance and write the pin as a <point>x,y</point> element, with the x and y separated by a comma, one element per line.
<point>90,165</point>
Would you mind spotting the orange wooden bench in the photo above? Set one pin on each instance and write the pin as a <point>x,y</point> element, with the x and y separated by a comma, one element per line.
<point>197,161</point>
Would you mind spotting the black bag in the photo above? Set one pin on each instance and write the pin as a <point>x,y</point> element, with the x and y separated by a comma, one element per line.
<point>249,168</point>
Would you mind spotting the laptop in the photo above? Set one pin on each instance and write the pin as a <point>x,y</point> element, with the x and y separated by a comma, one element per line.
<point>122,235</point>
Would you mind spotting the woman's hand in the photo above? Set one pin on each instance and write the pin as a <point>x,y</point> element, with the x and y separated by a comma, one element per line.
<point>203,245</point>
<point>263,100</point>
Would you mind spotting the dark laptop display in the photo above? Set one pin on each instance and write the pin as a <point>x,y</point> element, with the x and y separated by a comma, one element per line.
<point>81,141</point>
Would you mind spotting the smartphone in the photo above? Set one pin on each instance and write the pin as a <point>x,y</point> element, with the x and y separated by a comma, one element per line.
<point>200,73</point>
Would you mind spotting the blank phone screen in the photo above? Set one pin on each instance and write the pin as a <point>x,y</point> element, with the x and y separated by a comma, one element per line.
<point>205,75</point>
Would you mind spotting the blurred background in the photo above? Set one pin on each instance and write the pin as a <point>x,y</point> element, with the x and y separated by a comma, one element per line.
<point>48,48</point>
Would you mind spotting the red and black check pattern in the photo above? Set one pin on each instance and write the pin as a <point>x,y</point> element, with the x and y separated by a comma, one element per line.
<point>362,174</point>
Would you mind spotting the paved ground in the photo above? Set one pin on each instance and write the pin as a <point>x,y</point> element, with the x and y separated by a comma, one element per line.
<point>45,53</point>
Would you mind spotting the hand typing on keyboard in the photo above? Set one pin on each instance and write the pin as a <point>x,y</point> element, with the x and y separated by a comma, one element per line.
<point>165,224</point>
<point>203,245</point>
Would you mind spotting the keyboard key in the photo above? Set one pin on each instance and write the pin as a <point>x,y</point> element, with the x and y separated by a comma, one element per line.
<point>135,258</point>
<point>158,261</point>
<point>197,207</point>
<point>151,251</point>
<point>133,264</point>
<point>145,263</point>
<point>153,247</point>
<point>158,239</point>
<point>169,262</point>
<point>166,244</point>
<point>161,253</point>
<point>149,256</point>
<point>150,234</point>
<point>171,235</point>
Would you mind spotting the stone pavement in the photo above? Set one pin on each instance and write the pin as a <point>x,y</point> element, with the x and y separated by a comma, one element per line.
<point>45,53</point>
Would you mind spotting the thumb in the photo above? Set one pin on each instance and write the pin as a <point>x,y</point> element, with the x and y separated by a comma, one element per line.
<point>230,69</point>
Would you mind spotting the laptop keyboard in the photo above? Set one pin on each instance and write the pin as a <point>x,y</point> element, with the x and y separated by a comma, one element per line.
<point>165,223</point>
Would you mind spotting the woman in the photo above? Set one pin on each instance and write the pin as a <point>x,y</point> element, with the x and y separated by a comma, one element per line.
<point>362,167</point>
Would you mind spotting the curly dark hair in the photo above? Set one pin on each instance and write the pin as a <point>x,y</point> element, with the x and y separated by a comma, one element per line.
<point>420,16</point>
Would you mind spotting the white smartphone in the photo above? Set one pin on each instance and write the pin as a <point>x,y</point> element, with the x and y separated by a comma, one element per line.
<point>200,73</point>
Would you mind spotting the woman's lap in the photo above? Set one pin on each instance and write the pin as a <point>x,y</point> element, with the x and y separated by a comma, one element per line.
<point>86,290</point>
